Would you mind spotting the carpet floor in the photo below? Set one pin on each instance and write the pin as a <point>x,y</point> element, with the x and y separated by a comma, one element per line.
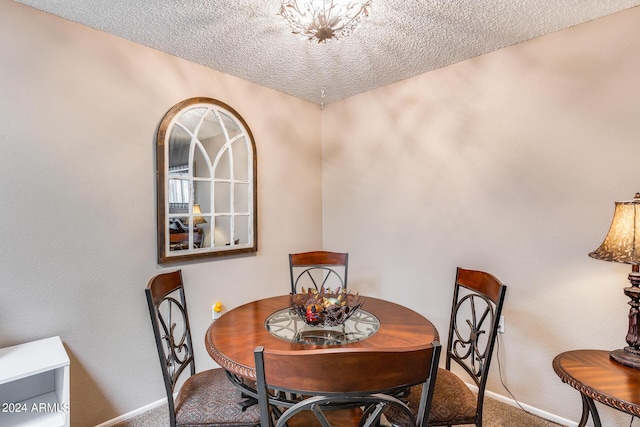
<point>496,414</point>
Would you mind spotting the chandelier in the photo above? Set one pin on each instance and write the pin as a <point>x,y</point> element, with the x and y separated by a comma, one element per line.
<point>323,20</point>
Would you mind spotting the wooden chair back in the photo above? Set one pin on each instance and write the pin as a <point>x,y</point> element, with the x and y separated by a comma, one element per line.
<point>317,269</point>
<point>478,299</point>
<point>352,379</point>
<point>170,322</point>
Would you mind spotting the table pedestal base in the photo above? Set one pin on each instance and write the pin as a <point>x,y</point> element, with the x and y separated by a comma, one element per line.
<point>588,406</point>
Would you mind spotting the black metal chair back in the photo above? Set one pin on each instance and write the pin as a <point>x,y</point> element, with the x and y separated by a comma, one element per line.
<point>478,299</point>
<point>170,321</point>
<point>318,269</point>
<point>362,383</point>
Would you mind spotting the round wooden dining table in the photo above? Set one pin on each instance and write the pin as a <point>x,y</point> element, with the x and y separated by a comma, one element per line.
<point>231,339</point>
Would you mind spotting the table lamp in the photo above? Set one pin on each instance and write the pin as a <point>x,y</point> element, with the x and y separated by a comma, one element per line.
<point>622,244</point>
<point>197,220</point>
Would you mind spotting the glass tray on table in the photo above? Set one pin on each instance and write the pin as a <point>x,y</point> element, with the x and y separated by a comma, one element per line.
<point>287,325</point>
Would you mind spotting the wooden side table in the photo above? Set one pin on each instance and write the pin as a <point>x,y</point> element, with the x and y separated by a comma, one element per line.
<point>179,241</point>
<point>599,379</point>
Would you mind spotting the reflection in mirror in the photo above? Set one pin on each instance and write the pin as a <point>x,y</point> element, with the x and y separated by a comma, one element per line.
<point>206,166</point>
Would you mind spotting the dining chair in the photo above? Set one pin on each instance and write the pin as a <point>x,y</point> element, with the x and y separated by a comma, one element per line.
<point>343,388</point>
<point>206,398</point>
<point>478,298</point>
<point>318,269</point>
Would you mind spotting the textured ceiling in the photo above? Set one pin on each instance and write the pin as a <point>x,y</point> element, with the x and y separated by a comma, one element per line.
<point>400,38</point>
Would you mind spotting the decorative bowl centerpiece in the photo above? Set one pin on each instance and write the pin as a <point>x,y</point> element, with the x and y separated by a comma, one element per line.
<point>325,307</point>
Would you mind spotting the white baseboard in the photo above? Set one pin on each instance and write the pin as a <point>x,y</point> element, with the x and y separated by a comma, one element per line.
<point>133,413</point>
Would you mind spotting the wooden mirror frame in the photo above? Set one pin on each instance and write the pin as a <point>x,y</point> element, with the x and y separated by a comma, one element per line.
<point>200,116</point>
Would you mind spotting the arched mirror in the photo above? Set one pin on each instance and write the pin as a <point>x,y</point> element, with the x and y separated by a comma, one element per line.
<point>206,170</point>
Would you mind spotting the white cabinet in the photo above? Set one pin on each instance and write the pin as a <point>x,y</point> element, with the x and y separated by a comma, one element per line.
<point>34,384</point>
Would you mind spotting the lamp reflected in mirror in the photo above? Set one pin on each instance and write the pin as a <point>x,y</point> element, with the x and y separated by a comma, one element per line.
<point>197,220</point>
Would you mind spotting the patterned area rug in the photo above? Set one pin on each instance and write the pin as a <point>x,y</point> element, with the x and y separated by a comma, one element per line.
<point>496,414</point>
<point>499,414</point>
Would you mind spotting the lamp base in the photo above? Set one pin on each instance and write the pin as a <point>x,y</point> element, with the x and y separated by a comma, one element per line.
<point>627,356</point>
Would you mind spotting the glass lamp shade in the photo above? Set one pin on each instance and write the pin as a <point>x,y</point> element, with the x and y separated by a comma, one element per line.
<point>622,243</point>
<point>323,20</point>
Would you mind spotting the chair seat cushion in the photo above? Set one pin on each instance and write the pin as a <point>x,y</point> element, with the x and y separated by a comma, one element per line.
<point>453,402</point>
<point>209,398</point>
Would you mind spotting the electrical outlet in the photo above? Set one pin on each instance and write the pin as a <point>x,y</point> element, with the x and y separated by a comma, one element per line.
<point>501,325</point>
<point>216,310</point>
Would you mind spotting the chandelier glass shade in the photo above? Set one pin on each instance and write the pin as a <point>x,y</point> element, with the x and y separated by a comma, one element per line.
<point>323,20</point>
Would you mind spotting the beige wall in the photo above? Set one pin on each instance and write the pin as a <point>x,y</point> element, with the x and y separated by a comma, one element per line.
<point>509,163</point>
<point>78,114</point>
